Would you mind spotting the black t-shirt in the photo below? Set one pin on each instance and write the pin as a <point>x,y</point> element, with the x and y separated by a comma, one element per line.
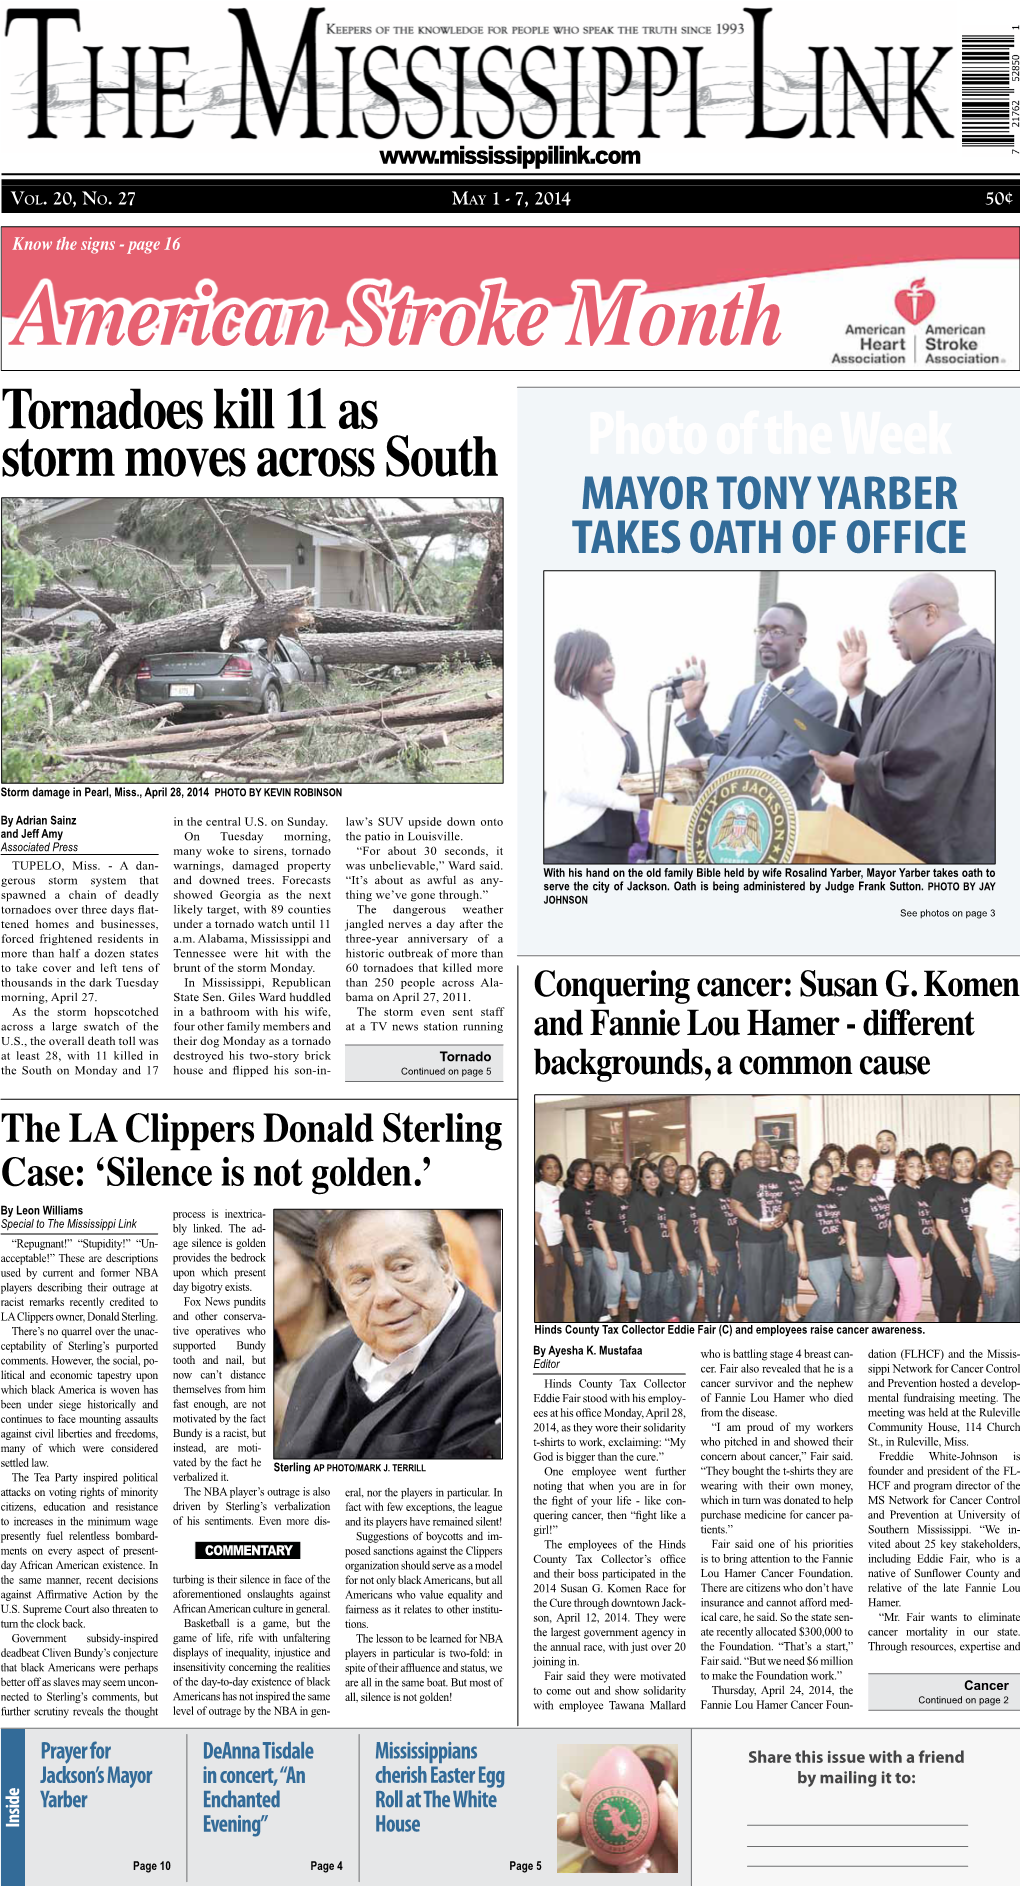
<point>763,1194</point>
<point>840,1181</point>
<point>820,1215</point>
<point>577,1206</point>
<point>723,1223</point>
<point>867,1207</point>
<point>682,1209</point>
<point>909,1202</point>
<point>611,1211</point>
<point>648,1215</point>
<point>952,1202</point>
<point>795,1183</point>
<point>930,1186</point>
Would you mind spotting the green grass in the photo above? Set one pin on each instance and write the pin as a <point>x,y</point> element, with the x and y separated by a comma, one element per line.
<point>480,742</point>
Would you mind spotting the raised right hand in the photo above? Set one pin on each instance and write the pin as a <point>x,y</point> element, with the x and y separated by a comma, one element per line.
<point>694,692</point>
<point>853,661</point>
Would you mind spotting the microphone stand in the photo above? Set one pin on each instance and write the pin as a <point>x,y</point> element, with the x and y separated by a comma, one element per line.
<point>674,692</point>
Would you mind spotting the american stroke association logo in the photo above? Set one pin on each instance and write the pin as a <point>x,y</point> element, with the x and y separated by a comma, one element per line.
<point>746,816</point>
<point>619,1817</point>
<point>915,303</point>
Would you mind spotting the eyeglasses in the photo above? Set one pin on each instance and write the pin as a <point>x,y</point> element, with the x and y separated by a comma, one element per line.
<point>910,611</point>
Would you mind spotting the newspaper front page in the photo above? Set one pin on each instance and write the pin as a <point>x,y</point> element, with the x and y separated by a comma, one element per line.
<point>506,527</point>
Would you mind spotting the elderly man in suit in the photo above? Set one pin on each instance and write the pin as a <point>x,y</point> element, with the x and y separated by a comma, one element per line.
<point>414,1377</point>
<point>759,739</point>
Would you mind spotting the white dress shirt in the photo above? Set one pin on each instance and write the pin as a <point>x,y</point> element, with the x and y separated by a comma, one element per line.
<point>377,1374</point>
<point>951,635</point>
<point>585,758</point>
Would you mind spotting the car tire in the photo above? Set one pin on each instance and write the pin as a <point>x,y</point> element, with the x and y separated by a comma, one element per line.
<point>273,700</point>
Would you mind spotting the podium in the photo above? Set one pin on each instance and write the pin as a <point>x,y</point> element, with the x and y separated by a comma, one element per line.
<point>829,837</point>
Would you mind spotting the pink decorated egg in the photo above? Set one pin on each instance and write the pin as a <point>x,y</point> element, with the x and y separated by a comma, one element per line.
<point>619,1809</point>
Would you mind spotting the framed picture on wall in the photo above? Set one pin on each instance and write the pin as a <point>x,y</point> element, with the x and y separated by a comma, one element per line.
<point>776,1127</point>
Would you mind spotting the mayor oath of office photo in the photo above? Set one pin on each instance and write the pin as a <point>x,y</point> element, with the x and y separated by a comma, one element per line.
<point>852,718</point>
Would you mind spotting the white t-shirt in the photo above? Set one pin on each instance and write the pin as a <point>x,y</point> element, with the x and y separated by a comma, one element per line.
<point>996,1209</point>
<point>547,1205</point>
<point>886,1174</point>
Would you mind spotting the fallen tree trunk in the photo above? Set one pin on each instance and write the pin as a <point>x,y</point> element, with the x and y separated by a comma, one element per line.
<point>423,712</point>
<point>377,622</point>
<point>441,524</point>
<point>320,770</point>
<point>412,716</point>
<point>286,612</point>
<point>417,645</point>
<point>40,629</point>
<point>240,726</point>
<point>55,595</point>
<point>165,712</point>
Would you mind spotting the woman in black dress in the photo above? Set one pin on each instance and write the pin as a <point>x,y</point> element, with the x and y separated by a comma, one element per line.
<point>912,1234</point>
<point>576,1201</point>
<point>952,1253</point>
<point>614,1253</point>
<point>718,1227</point>
<point>865,1212</point>
<point>649,1234</point>
<point>550,1271</point>
<point>789,1160</point>
<point>820,1240</point>
<point>682,1213</point>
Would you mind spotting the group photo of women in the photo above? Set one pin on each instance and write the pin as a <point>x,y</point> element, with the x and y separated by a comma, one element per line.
<point>875,1231</point>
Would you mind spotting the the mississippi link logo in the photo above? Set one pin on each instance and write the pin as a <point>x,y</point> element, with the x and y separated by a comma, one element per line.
<point>746,816</point>
<point>619,1817</point>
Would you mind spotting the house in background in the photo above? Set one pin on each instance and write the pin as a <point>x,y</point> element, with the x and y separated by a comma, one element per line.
<point>343,572</point>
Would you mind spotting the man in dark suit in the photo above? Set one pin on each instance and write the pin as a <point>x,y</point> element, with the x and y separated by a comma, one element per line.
<point>781,634</point>
<point>415,1376</point>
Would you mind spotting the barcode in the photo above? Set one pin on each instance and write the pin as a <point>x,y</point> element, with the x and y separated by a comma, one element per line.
<point>985,107</point>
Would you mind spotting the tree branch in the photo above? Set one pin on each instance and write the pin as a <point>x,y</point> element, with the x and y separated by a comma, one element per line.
<point>239,557</point>
<point>373,514</point>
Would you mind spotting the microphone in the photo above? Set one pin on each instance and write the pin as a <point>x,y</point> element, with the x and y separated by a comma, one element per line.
<point>676,681</point>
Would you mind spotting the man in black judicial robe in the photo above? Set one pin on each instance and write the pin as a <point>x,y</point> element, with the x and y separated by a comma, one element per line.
<point>920,767</point>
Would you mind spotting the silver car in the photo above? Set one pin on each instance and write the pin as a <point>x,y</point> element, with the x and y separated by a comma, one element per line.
<point>244,679</point>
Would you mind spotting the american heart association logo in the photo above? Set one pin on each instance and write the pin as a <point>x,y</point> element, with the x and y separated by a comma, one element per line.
<point>915,303</point>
